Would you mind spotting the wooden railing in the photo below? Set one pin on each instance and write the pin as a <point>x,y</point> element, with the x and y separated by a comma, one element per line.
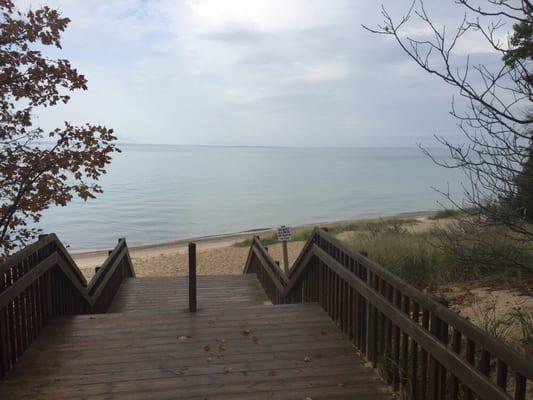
<point>421,348</point>
<point>41,282</point>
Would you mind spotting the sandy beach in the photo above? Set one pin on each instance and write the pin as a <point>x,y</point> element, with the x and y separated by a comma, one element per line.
<point>216,254</point>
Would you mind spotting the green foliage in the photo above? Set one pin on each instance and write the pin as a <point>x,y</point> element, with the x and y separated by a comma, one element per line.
<point>298,235</point>
<point>477,251</point>
<point>521,44</point>
<point>375,226</point>
<point>393,225</point>
<point>409,256</point>
<point>522,201</point>
<point>459,252</point>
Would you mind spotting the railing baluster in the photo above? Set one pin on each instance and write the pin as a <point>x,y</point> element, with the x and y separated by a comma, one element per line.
<point>456,347</point>
<point>414,356</point>
<point>471,358</point>
<point>404,376</point>
<point>520,387</point>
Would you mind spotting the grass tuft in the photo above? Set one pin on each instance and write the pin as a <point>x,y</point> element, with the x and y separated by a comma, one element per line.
<point>446,213</point>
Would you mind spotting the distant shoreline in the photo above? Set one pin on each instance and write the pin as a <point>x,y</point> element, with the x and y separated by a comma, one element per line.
<point>228,239</point>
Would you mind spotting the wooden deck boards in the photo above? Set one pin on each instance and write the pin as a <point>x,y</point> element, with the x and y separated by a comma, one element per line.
<point>232,348</point>
<point>157,294</point>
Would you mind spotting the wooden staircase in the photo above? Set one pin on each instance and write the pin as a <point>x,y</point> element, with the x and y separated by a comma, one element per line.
<point>322,331</point>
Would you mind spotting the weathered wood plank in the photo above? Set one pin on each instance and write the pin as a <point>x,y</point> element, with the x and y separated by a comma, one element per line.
<point>264,351</point>
<point>156,295</point>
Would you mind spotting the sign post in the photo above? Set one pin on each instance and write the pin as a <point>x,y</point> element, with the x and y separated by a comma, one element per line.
<point>284,235</point>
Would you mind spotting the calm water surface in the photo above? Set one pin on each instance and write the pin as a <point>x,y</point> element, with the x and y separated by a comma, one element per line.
<point>161,193</point>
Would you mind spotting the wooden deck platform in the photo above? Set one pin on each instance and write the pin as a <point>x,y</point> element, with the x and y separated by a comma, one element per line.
<point>158,294</point>
<point>227,350</point>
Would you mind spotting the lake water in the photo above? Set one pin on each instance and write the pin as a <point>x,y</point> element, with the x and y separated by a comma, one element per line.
<point>162,193</point>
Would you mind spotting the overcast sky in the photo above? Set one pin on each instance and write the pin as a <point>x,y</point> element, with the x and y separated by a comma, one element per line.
<point>253,72</point>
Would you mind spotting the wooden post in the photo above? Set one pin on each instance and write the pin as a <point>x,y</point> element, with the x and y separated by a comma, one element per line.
<point>192,277</point>
<point>285,257</point>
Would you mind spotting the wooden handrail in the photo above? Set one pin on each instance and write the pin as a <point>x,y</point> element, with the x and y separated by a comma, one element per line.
<point>423,349</point>
<point>41,282</point>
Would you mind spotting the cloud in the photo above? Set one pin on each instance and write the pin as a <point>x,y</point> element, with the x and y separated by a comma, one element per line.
<point>299,72</point>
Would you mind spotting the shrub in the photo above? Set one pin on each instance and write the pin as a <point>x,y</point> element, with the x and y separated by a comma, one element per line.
<point>446,213</point>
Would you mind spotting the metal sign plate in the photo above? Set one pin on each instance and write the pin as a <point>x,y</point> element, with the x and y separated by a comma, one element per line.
<point>284,233</point>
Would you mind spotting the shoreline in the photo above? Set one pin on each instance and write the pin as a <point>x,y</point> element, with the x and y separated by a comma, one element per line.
<point>93,257</point>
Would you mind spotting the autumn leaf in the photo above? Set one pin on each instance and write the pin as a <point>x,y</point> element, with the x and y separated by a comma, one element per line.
<point>34,177</point>
<point>184,337</point>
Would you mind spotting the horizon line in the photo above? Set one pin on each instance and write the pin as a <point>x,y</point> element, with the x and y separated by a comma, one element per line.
<point>415,146</point>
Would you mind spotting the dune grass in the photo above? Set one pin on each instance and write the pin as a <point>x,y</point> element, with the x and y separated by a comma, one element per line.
<point>446,213</point>
<point>459,252</point>
<point>298,235</point>
<point>303,234</point>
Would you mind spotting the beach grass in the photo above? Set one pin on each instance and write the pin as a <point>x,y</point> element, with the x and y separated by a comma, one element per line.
<point>446,213</point>
<point>298,235</point>
<point>432,256</point>
<point>445,255</point>
<point>303,234</point>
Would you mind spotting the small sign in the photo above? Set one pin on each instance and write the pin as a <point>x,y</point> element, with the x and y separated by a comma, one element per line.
<point>284,234</point>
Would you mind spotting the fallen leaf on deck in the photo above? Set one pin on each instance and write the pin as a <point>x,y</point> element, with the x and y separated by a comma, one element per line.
<point>307,359</point>
<point>207,348</point>
<point>227,370</point>
<point>221,347</point>
<point>183,337</point>
<point>246,332</point>
<point>341,385</point>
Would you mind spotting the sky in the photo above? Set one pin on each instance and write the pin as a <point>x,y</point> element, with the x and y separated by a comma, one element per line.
<point>253,72</point>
